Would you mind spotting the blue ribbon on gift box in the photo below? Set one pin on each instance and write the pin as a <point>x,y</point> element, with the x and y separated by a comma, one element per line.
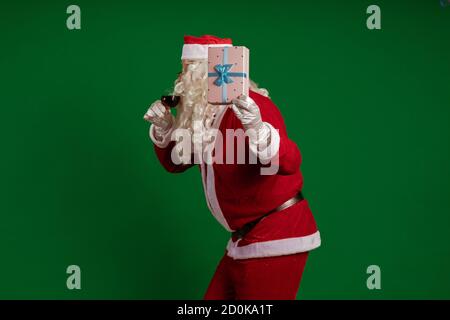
<point>224,75</point>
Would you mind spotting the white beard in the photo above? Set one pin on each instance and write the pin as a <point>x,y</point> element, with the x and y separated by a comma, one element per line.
<point>194,112</point>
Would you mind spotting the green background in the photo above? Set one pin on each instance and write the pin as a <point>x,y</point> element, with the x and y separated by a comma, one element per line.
<point>80,183</point>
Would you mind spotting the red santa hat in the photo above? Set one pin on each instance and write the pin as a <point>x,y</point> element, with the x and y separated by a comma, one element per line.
<point>197,47</point>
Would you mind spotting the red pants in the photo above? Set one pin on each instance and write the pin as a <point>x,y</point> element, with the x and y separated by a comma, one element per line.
<point>271,278</point>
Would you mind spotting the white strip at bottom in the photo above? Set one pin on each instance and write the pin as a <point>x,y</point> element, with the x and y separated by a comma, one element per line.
<point>274,247</point>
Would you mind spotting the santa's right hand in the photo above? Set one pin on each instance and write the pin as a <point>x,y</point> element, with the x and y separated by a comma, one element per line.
<point>160,116</point>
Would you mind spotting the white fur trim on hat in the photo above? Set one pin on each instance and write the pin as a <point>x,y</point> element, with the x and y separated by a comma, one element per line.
<point>198,51</point>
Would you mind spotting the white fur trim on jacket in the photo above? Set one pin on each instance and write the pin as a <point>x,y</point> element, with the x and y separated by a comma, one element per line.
<point>274,247</point>
<point>209,181</point>
<point>267,152</point>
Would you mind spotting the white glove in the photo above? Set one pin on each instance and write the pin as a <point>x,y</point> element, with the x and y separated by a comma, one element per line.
<point>247,111</point>
<point>161,117</point>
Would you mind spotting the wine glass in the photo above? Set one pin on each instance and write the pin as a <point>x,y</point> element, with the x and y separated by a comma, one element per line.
<point>170,101</point>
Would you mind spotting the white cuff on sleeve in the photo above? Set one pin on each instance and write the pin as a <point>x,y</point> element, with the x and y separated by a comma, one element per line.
<point>162,143</point>
<point>264,151</point>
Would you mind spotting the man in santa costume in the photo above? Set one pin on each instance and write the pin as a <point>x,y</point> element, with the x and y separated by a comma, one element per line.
<point>271,225</point>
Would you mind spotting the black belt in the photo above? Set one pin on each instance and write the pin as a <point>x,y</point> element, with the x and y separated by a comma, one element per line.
<point>240,233</point>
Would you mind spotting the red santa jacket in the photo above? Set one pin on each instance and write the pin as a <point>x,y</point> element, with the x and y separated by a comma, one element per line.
<point>238,193</point>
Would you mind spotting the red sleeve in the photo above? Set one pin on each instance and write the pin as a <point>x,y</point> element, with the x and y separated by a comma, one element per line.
<point>289,157</point>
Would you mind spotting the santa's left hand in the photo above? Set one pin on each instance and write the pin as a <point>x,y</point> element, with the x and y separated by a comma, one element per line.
<point>247,111</point>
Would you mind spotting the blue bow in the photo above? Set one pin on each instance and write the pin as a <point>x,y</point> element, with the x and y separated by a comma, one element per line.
<point>223,75</point>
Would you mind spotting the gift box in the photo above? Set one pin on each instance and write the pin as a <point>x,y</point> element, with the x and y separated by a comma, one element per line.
<point>227,73</point>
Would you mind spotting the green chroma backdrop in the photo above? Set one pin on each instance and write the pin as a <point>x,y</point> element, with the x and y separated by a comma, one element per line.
<point>80,184</point>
